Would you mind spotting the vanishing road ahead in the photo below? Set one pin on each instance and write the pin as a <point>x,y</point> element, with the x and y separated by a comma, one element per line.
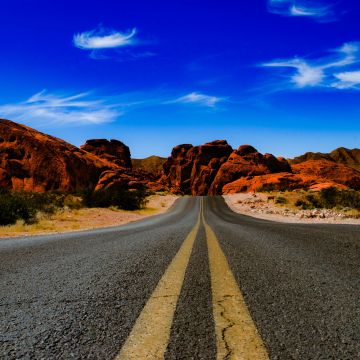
<point>199,282</point>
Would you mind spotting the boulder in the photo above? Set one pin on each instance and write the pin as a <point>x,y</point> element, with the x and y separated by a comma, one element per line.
<point>192,169</point>
<point>244,162</point>
<point>111,150</point>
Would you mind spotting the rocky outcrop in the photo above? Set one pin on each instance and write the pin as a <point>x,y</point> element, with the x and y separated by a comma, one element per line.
<point>110,150</point>
<point>312,174</point>
<point>246,161</point>
<point>279,182</point>
<point>33,161</point>
<point>328,171</point>
<point>133,180</point>
<point>192,169</point>
<point>348,157</point>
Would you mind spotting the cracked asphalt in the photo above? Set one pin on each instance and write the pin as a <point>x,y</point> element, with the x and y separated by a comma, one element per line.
<point>77,296</point>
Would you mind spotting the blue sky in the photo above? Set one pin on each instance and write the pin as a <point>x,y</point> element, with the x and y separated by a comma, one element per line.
<point>282,75</point>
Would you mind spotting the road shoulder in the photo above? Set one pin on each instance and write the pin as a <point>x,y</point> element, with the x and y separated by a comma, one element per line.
<point>255,205</point>
<point>88,219</point>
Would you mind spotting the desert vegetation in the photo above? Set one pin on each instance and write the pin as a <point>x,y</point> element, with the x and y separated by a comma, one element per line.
<point>330,198</point>
<point>345,202</point>
<point>28,207</point>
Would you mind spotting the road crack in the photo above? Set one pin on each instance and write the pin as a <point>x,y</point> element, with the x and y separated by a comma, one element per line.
<point>230,323</point>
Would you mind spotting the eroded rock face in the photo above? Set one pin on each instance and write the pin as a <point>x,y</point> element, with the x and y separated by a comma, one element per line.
<point>311,174</point>
<point>329,171</point>
<point>244,162</point>
<point>111,150</point>
<point>130,179</point>
<point>33,161</point>
<point>192,169</point>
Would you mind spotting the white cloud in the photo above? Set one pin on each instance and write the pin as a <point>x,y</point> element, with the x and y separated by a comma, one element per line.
<point>104,39</point>
<point>45,109</point>
<point>321,71</point>
<point>305,75</point>
<point>198,99</point>
<point>347,80</point>
<point>314,9</point>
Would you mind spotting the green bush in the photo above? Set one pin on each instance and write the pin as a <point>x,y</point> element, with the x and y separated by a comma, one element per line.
<point>313,201</point>
<point>303,204</point>
<point>25,205</point>
<point>13,207</point>
<point>330,198</point>
<point>121,198</point>
<point>349,198</point>
<point>280,200</point>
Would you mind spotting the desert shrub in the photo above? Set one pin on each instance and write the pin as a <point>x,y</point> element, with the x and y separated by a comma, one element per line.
<point>13,207</point>
<point>121,198</point>
<point>25,205</point>
<point>313,201</point>
<point>72,201</point>
<point>266,188</point>
<point>328,197</point>
<point>349,198</point>
<point>303,204</point>
<point>280,200</point>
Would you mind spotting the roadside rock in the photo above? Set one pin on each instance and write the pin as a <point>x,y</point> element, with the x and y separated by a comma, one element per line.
<point>123,178</point>
<point>111,150</point>
<point>33,161</point>
<point>192,169</point>
<point>246,162</point>
<point>328,171</point>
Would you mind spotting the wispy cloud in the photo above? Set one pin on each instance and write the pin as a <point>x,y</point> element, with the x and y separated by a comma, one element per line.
<point>45,108</point>
<point>314,9</point>
<point>198,99</point>
<point>347,80</point>
<point>104,44</point>
<point>102,38</point>
<point>322,71</point>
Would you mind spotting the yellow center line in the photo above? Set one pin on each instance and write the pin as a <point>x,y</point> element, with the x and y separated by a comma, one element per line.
<point>236,334</point>
<point>150,334</point>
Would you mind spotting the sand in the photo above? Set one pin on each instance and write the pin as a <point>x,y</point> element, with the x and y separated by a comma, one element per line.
<point>88,218</point>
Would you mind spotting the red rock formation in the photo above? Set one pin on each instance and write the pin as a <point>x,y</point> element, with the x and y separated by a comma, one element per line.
<point>312,174</point>
<point>114,151</point>
<point>246,161</point>
<point>278,181</point>
<point>33,161</point>
<point>329,171</point>
<point>135,179</point>
<point>192,169</point>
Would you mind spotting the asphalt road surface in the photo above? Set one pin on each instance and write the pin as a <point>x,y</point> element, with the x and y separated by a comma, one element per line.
<point>199,282</point>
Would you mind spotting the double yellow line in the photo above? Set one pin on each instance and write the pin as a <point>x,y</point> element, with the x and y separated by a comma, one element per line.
<point>236,333</point>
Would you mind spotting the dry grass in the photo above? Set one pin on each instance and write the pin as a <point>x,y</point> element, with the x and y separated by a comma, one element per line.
<point>87,218</point>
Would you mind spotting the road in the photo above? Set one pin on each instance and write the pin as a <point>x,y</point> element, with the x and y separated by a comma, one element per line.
<point>199,282</point>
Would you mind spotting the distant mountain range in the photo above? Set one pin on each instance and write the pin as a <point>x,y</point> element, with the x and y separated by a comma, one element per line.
<point>33,161</point>
<point>152,163</point>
